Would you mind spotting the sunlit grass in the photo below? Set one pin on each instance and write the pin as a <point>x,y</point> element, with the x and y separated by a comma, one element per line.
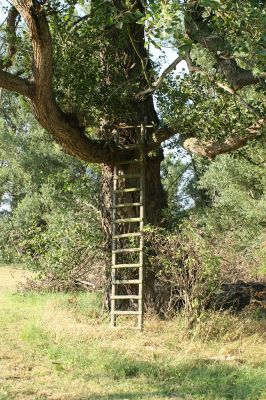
<point>60,347</point>
<point>10,277</point>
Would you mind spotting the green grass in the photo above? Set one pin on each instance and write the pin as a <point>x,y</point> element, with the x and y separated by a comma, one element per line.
<point>60,347</point>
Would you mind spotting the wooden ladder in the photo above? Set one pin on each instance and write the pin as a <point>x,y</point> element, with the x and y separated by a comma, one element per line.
<point>135,233</point>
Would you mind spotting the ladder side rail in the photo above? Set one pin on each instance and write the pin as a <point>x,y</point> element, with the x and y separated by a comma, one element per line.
<point>113,270</point>
<point>142,216</point>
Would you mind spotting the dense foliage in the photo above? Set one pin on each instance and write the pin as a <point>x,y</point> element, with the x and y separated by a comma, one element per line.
<point>52,222</point>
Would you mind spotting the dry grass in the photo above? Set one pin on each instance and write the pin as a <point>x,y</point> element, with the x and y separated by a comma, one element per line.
<point>11,277</point>
<point>59,347</point>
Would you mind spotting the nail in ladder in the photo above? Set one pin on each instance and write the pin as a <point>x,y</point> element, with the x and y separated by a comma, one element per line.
<point>137,235</point>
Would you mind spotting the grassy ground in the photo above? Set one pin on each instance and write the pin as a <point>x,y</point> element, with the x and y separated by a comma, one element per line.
<point>60,347</point>
<point>10,278</point>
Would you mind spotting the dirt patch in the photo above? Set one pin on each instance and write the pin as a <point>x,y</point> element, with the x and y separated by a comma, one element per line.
<point>11,277</point>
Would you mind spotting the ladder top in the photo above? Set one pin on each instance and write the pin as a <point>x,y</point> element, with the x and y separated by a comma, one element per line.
<point>129,146</point>
<point>125,126</point>
<point>134,161</point>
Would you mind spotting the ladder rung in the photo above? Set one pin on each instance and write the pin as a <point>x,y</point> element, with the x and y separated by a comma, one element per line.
<point>117,221</point>
<point>126,312</point>
<point>134,161</point>
<point>125,126</point>
<point>137,189</point>
<point>125,297</point>
<point>126,266</point>
<point>130,146</point>
<point>130,250</point>
<point>127,282</point>
<point>127,235</point>
<point>127,176</point>
<point>128,205</point>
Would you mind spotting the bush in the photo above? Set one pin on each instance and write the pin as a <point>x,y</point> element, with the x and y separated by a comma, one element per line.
<point>186,267</point>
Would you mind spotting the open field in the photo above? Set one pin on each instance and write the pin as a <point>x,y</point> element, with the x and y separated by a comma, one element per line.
<point>60,347</point>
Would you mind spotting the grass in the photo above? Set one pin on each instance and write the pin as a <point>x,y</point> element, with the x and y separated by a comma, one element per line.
<point>10,277</point>
<point>60,347</point>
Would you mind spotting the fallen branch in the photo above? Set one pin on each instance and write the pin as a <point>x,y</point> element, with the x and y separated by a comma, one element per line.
<point>85,283</point>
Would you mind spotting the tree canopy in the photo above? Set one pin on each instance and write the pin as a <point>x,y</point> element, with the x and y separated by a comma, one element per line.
<point>86,68</point>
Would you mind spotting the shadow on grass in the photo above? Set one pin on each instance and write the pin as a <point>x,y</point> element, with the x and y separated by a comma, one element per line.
<point>192,380</point>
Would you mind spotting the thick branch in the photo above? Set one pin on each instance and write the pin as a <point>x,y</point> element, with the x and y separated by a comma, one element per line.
<point>11,32</point>
<point>198,30</point>
<point>212,149</point>
<point>161,135</point>
<point>15,83</point>
<point>194,68</point>
<point>64,128</point>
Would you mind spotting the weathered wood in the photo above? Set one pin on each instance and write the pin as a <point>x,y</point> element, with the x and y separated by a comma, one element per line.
<point>142,216</point>
<point>113,292</point>
<point>120,220</point>
<point>133,161</point>
<point>129,146</point>
<point>127,190</point>
<point>118,312</point>
<point>127,176</point>
<point>125,297</point>
<point>127,235</point>
<point>129,250</point>
<point>128,205</point>
<point>126,265</point>
<point>137,234</point>
<point>126,282</point>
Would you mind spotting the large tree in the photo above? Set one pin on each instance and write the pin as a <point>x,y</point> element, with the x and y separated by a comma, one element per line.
<point>89,76</point>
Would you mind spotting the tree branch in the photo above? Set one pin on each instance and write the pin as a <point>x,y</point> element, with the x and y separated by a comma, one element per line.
<point>161,135</point>
<point>198,30</point>
<point>15,83</point>
<point>64,128</point>
<point>194,68</point>
<point>11,33</point>
<point>157,84</point>
<point>212,149</point>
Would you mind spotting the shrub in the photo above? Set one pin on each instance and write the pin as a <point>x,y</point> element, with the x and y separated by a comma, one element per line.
<point>186,267</point>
